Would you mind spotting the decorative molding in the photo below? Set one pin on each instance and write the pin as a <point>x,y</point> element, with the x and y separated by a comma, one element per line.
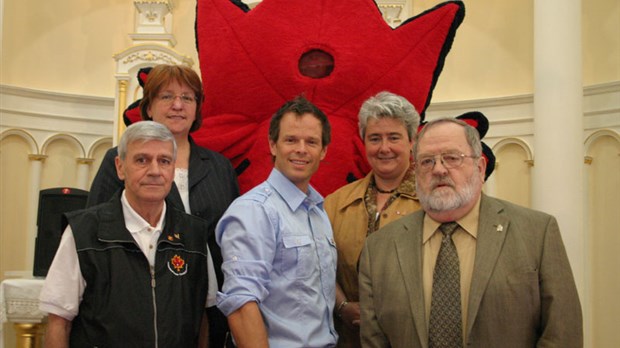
<point>82,160</point>
<point>108,141</point>
<point>149,56</point>
<point>32,143</point>
<point>58,117</point>
<point>67,137</point>
<point>481,103</point>
<point>40,158</point>
<point>599,134</point>
<point>38,115</point>
<point>153,22</point>
<point>393,11</point>
<point>513,141</point>
<point>602,88</point>
<point>24,92</point>
<point>141,38</point>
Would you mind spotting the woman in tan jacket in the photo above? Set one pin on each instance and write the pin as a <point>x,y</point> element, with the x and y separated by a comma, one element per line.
<point>387,124</point>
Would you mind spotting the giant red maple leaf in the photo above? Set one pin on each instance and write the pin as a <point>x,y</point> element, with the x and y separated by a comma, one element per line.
<point>250,65</point>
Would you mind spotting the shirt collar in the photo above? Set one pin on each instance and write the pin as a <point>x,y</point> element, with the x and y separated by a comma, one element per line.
<point>469,223</point>
<point>134,222</point>
<point>291,194</point>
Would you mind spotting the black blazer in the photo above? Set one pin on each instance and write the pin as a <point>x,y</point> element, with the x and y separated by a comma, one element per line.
<point>212,187</point>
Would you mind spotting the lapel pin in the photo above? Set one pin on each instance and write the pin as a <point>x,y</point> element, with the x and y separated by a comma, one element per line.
<point>500,228</point>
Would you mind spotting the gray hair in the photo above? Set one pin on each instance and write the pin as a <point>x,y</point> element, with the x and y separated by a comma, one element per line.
<point>144,131</point>
<point>471,135</point>
<point>389,105</point>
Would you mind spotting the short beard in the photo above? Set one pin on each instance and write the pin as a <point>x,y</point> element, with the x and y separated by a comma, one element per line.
<point>436,201</point>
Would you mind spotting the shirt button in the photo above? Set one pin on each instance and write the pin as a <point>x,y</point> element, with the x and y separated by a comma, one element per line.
<point>235,258</point>
<point>385,215</point>
<point>151,246</point>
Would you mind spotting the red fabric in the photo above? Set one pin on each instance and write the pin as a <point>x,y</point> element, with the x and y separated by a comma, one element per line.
<point>249,65</point>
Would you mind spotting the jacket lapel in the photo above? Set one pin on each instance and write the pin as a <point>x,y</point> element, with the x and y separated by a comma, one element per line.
<point>197,168</point>
<point>410,262</point>
<point>196,172</point>
<point>492,228</point>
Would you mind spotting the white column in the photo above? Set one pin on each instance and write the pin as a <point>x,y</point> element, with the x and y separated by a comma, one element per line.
<point>36,163</point>
<point>120,103</point>
<point>557,182</point>
<point>82,172</point>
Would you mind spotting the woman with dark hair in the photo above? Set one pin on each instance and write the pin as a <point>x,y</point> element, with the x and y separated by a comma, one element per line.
<point>204,182</point>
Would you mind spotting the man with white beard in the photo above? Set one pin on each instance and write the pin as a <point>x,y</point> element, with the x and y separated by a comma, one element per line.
<point>467,270</point>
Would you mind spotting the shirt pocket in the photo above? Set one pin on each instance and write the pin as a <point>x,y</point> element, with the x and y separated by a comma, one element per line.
<point>297,257</point>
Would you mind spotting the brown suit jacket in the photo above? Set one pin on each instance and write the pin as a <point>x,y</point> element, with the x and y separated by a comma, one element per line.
<point>522,292</point>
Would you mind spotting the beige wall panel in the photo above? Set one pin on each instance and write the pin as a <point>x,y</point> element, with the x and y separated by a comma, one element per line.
<point>14,183</point>
<point>604,227</point>
<point>64,46</point>
<point>183,28</point>
<point>601,41</point>
<point>492,54</point>
<point>512,175</point>
<point>60,167</point>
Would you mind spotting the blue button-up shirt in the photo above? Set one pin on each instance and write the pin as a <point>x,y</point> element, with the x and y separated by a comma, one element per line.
<point>278,250</point>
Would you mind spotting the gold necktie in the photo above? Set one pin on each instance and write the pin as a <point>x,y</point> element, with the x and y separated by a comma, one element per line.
<point>445,324</point>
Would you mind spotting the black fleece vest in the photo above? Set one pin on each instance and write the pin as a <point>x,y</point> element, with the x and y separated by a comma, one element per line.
<point>125,303</point>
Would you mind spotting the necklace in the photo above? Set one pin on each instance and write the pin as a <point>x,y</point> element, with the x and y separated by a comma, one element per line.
<point>382,191</point>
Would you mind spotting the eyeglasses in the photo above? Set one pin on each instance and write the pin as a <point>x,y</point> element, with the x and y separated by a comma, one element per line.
<point>168,98</point>
<point>449,160</point>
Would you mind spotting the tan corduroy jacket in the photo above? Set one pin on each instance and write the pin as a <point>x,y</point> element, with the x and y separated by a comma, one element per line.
<point>349,218</point>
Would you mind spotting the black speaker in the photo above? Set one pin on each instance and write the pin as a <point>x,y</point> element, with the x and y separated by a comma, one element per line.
<point>52,204</point>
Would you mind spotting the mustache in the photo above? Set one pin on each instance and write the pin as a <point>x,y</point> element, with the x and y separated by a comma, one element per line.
<point>441,181</point>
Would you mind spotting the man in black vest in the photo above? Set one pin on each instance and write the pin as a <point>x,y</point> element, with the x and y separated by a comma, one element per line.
<point>133,271</point>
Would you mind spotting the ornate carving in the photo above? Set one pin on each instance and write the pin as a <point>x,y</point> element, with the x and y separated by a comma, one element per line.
<point>149,56</point>
<point>151,16</point>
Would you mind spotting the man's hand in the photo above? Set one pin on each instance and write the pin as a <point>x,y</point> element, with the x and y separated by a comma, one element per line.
<point>350,315</point>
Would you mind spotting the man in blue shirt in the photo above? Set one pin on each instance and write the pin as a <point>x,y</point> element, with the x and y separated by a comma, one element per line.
<point>277,243</point>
